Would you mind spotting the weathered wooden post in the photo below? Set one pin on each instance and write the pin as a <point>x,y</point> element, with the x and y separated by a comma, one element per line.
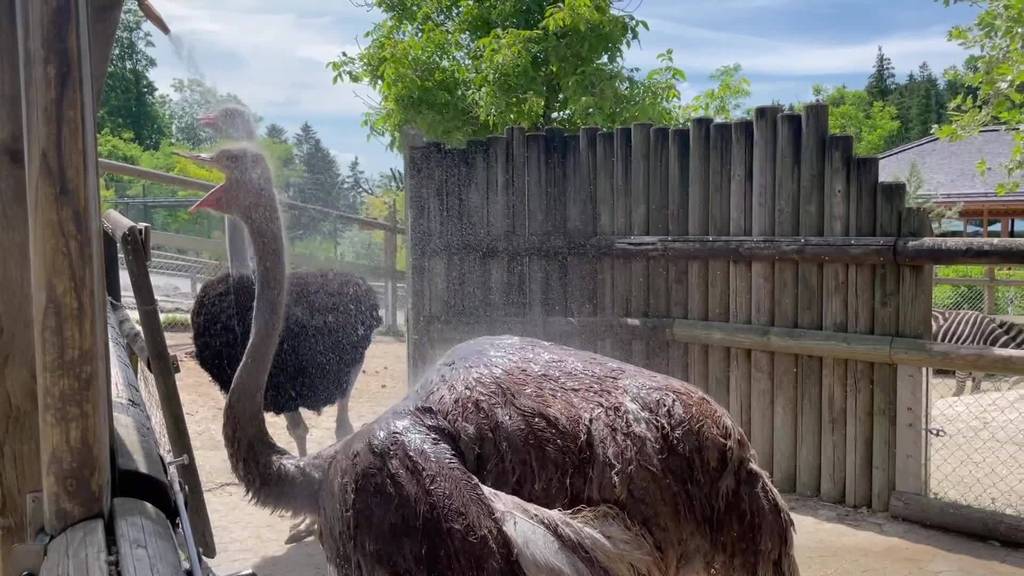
<point>391,268</point>
<point>66,263</point>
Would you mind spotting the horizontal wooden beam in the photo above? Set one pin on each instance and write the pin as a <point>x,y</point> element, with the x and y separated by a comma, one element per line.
<point>957,517</point>
<point>850,346</point>
<point>977,282</point>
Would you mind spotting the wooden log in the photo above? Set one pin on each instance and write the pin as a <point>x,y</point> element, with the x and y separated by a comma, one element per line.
<point>761,248</point>
<point>167,389</point>
<point>605,204</point>
<point>697,222</point>
<point>640,191</point>
<point>457,171</point>
<point>623,225</point>
<point>658,288</point>
<point>838,159</point>
<point>145,540</point>
<point>498,220</point>
<point>518,269</point>
<point>554,277</point>
<point>785,403</point>
<point>476,288</point>
<point>583,216</point>
<point>104,16</point>
<point>678,210</point>
<point>67,266</point>
<point>741,190</point>
<point>576,296</point>
<point>968,520</point>
<point>80,550</point>
<point>140,470</point>
<point>859,406</point>
<point>809,298</point>
<point>19,404</point>
<point>420,182</point>
<point>932,251</point>
<point>889,201</point>
<point>762,280</point>
<point>912,381</point>
<point>718,270</point>
<point>537,225</point>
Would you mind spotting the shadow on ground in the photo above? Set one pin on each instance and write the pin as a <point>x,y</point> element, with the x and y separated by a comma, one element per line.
<point>305,558</point>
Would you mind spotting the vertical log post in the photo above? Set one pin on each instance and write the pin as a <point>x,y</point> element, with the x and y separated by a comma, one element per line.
<point>623,225</point>
<point>639,198</point>
<point>391,279</point>
<point>498,222</point>
<point>19,407</point>
<point>605,203</point>
<point>785,400</point>
<point>809,298</point>
<point>890,199</point>
<point>860,375</point>
<point>678,225</point>
<point>658,290</point>
<point>762,279</point>
<point>554,231</point>
<point>912,381</point>
<point>718,270</point>
<point>67,266</point>
<point>741,189</point>
<point>537,225</point>
<point>420,177</point>
<point>697,275</point>
<point>585,213</point>
<point>838,159</point>
<point>518,271</point>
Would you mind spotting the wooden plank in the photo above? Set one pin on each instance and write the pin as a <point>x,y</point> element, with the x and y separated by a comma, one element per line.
<point>718,269</point>
<point>518,269</point>
<point>838,159</point>
<point>145,541</point>
<point>140,471</point>
<point>697,222</point>
<point>639,199</point>
<point>968,520</point>
<point>762,281</point>
<point>605,203</point>
<point>453,229</point>
<point>785,400</point>
<point>658,288</point>
<point>859,407</point>
<point>19,404</point>
<point>537,225</point>
<point>575,292</point>
<point>585,214</point>
<point>889,202</point>
<point>809,298</point>
<point>167,389</point>
<point>67,267</point>
<point>678,210</point>
<point>80,550</point>
<point>420,182</point>
<point>498,220</point>
<point>476,287</point>
<point>911,381</point>
<point>741,190</point>
<point>623,224</point>
<point>554,277</point>
<point>104,16</point>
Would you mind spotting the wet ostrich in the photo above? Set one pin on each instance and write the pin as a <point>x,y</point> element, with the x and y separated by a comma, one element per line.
<point>513,456</point>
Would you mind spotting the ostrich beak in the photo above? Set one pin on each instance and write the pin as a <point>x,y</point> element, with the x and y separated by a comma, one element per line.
<point>214,200</point>
<point>207,120</point>
<point>201,159</point>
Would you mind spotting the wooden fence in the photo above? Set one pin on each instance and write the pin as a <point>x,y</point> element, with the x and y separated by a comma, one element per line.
<point>529,234</point>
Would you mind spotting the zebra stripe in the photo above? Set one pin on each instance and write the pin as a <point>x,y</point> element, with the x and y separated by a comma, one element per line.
<point>969,328</point>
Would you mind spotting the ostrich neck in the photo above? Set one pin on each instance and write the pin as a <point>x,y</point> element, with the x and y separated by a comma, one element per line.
<point>245,400</point>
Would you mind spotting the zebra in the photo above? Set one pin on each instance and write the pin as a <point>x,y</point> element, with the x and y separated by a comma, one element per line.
<point>969,328</point>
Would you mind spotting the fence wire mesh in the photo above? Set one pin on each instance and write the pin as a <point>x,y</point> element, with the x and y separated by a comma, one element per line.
<point>976,423</point>
<point>176,280</point>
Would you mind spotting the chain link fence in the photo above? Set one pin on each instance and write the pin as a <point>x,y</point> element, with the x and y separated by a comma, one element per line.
<point>976,426</point>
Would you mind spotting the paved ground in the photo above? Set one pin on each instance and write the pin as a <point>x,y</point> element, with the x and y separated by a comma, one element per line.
<point>831,541</point>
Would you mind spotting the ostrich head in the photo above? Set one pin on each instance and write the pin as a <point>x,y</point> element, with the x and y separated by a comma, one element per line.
<point>232,122</point>
<point>248,189</point>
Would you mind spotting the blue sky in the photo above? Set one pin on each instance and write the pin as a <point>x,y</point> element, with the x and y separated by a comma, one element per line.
<point>272,53</point>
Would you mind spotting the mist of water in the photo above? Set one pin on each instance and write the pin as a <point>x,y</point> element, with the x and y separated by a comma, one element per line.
<point>186,55</point>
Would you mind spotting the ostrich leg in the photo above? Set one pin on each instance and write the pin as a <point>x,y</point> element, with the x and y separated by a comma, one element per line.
<point>298,430</point>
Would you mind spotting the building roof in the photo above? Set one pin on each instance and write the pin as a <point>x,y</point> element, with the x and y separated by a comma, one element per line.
<point>950,169</point>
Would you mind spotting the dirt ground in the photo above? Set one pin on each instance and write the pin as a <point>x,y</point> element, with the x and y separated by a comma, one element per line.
<point>831,540</point>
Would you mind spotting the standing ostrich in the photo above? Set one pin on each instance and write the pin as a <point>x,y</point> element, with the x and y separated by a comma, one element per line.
<point>513,457</point>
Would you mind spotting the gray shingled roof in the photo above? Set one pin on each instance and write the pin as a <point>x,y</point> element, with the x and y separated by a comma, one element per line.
<point>949,168</point>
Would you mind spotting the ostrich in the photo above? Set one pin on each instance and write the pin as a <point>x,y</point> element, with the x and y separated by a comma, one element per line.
<point>512,457</point>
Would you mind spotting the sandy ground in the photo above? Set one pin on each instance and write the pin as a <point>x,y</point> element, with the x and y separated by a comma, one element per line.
<point>831,540</point>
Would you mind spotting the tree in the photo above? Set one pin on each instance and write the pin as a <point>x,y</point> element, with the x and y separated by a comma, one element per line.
<point>722,101</point>
<point>131,106</point>
<point>465,68</point>
<point>318,184</point>
<point>874,124</point>
<point>882,81</point>
<point>193,97</point>
<point>355,186</point>
<point>275,132</point>
<point>995,83</point>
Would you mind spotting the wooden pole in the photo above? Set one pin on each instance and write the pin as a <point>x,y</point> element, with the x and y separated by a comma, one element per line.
<point>912,381</point>
<point>838,159</point>
<point>678,210</point>
<point>658,289</point>
<point>605,204</point>
<point>419,177</point>
<point>741,189</point>
<point>809,298</point>
<point>623,225</point>
<point>583,215</point>
<point>518,271</point>
<point>859,406</point>
<point>576,295</point>
<point>67,265</point>
<point>104,16</point>
<point>718,270</point>
<point>391,266</point>
<point>762,280</point>
<point>537,206</point>
<point>785,403</point>
<point>498,220</point>
<point>19,405</point>
<point>890,200</point>
<point>554,221</point>
<point>639,198</point>
<point>697,274</point>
